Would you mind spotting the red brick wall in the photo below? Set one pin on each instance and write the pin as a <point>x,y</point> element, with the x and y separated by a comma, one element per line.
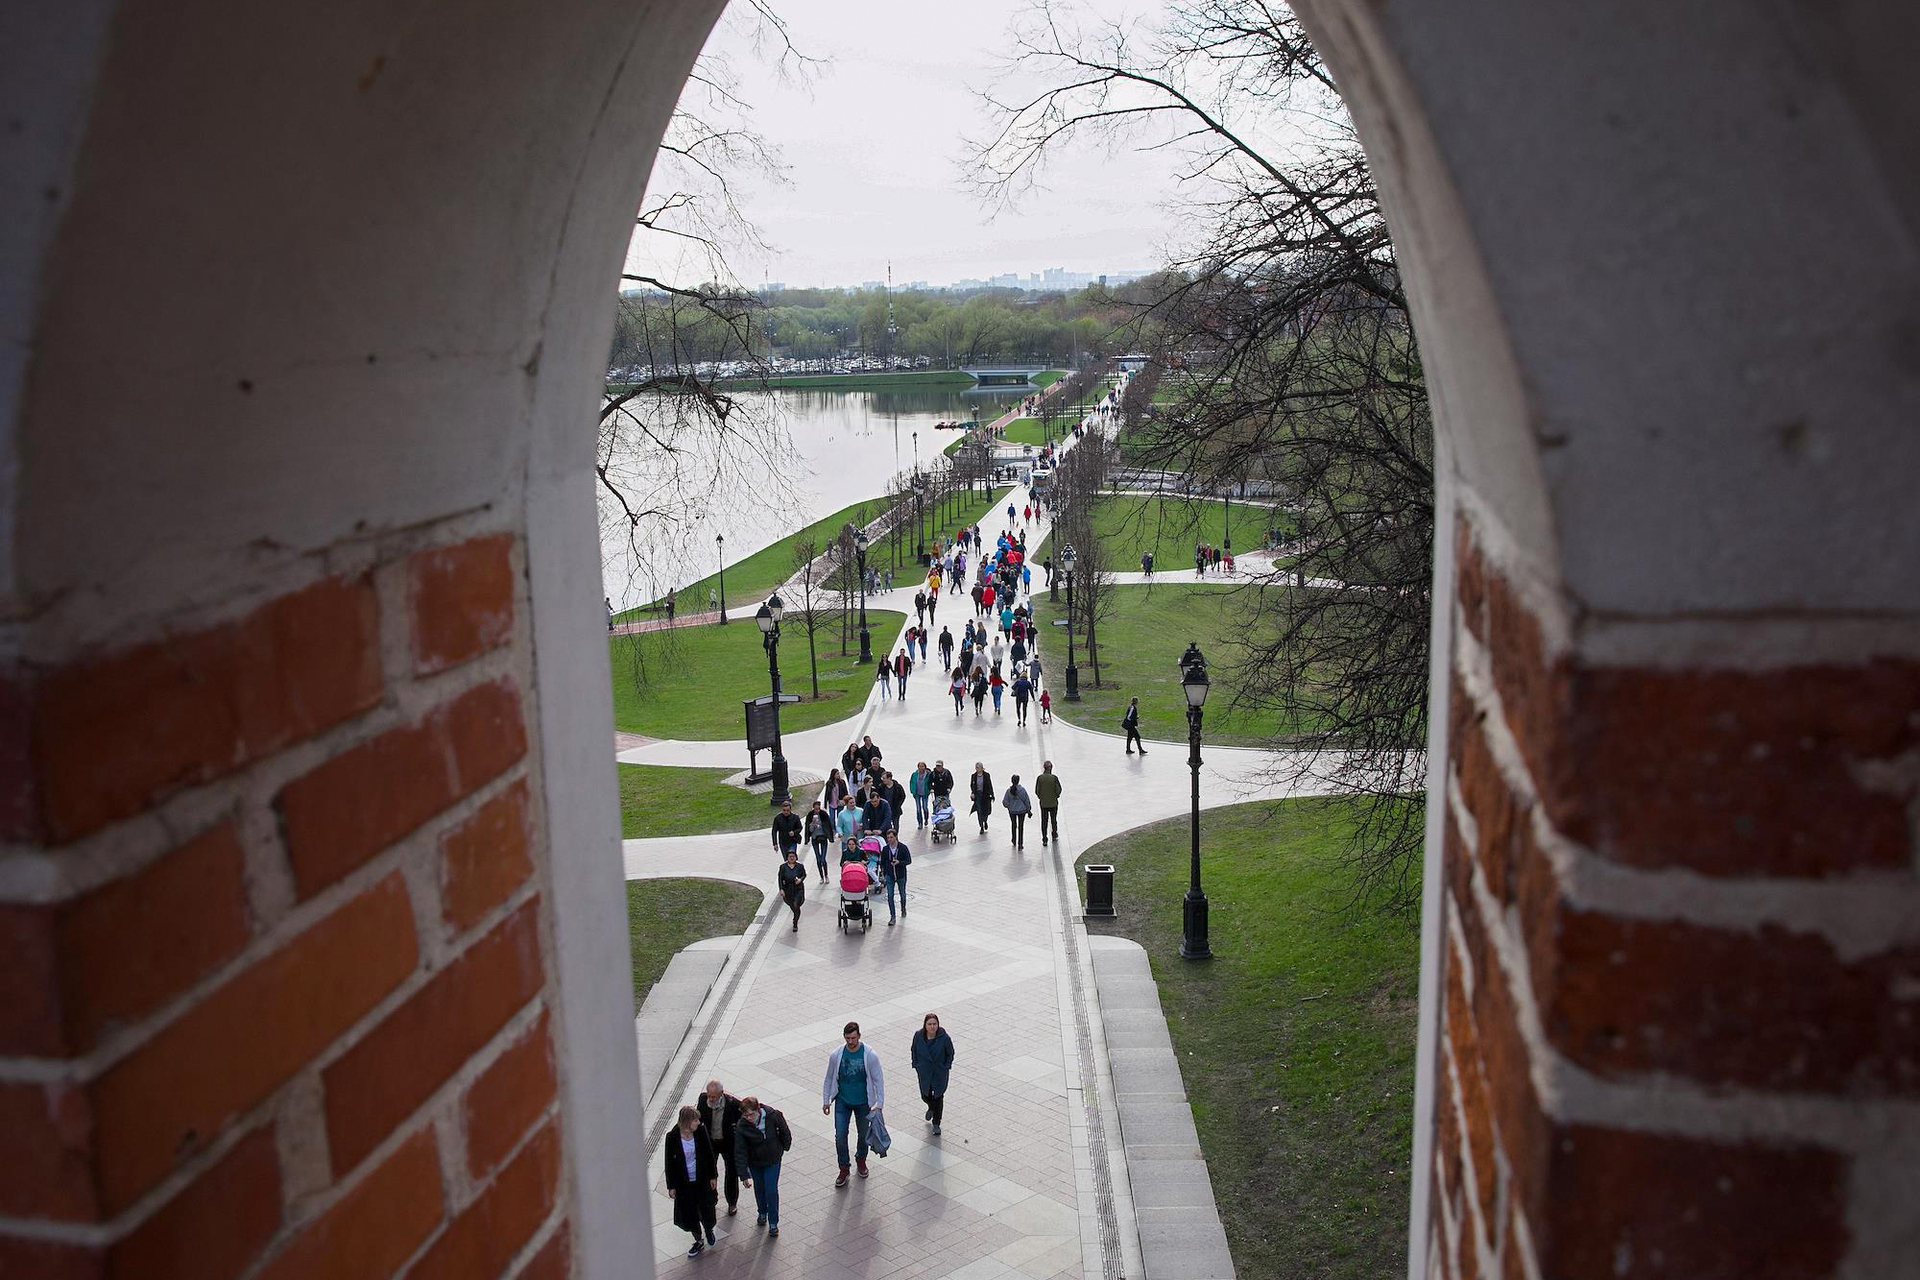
<point>1682,975</point>
<point>277,992</point>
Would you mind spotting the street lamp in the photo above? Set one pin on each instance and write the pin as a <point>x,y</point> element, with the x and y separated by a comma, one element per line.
<point>769,619</point>
<point>720,543</point>
<point>920,515</point>
<point>1067,560</point>
<point>1193,908</point>
<point>866,639</point>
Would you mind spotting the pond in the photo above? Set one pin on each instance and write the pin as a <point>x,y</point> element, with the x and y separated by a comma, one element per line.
<point>835,448</point>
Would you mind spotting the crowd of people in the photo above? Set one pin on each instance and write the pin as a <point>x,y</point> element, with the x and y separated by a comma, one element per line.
<point>722,1143</point>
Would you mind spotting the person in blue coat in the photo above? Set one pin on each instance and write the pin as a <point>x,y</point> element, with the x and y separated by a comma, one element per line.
<point>932,1059</point>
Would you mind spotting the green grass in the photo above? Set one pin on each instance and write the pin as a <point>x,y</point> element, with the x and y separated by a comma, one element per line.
<point>1048,378</point>
<point>758,574</point>
<point>1129,524</point>
<point>755,577</point>
<point>1296,1041</point>
<point>664,916</point>
<point>660,800</point>
<point>1030,431</point>
<point>1140,647</point>
<point>697,676</point>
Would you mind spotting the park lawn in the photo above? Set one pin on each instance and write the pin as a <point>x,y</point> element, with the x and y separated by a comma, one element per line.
<point>664,916</point>
<point>697,676</point>
<point>1140,646</point>
<point>1168,526</point>
<point>1048,378</point>
<point>662,800</point>
<point>755,576</point>
<point>1296,1041</point>
<point>1032,431</point>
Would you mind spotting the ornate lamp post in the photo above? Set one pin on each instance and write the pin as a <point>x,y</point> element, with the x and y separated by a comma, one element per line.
<point>720,544</point>
<point>866,639</point>
<point>769,619</point>
<point>919,516</point>
<point>1067,560</point>
<point>1193,908</point>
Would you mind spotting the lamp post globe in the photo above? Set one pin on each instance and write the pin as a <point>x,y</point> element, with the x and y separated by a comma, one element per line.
<point>866,637</point>
<point>768,619</point>
<point>1067,560</point>
<point>1193,908</point>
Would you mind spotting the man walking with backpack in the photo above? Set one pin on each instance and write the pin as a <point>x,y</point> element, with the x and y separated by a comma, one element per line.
<point>1131,723</point>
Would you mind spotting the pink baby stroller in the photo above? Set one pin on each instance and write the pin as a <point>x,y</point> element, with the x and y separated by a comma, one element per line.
<point>854,882</point>
<point>871,848</point>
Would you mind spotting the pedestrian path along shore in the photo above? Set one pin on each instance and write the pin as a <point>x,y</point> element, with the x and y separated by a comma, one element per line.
<point>1028,1178</point>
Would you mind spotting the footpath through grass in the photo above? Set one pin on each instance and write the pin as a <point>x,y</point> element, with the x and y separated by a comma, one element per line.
<point>663,916</point>
<point>663,800</point>
<point>1296,1041</point>
<point>689,682</point>
<point>1140,646</point>
<point>1129,524</point>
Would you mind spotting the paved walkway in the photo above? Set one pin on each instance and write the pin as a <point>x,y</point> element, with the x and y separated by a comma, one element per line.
<point>1029,1178</point>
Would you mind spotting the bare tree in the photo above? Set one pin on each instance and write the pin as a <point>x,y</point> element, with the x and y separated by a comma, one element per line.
<point>669,438</point>
<point>1078,480</point>
<point>1289,359</point>
<point>809,600</point>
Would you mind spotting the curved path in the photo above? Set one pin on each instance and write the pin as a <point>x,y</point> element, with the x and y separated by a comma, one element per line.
<point>1028,1179</point>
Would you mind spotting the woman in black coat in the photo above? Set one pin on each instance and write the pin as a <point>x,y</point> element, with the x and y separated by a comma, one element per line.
<point>980,788</point>
<point>693,1177</point>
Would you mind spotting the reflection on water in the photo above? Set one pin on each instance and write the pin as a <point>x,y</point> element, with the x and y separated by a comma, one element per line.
<point>842,446</point>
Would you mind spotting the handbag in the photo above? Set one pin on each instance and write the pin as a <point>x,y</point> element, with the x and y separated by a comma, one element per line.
<point>877,1135</point>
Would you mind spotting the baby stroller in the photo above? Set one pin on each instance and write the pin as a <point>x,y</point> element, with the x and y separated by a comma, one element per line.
<point>853,896</point>
<point>870,848</point>
<point>943,819</point>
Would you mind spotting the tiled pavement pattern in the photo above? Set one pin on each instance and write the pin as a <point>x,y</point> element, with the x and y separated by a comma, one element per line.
<point>1010,1189</point>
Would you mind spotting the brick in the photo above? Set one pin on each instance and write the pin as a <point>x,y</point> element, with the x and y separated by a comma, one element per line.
<point>399,1064</point>
<point>49,1140</point>
<point>122,950</point>
<point>1657,1206</point>
<point>26,1258</point>
<point>217,1226</point>
<point>1727,773</point>
<point>346,810</point>
<point>1447,1134</point>
<point>485,858</point>
<point>1476,1114</point>
<point>462,601</point>
<point>1512,1253</point>
<point>113,735</point>
<point>555,1259</point>
<point>483,1239</point>
<point>343,812</point>
<point>1736,773</point>
<point>1768,1009</point>
<point>376,1226</point>
<point>508,1097</point>
<point>169,1098</point>
<point>489,734</point>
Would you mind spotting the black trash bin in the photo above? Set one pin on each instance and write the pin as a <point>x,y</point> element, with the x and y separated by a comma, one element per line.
<point>1099,889</point>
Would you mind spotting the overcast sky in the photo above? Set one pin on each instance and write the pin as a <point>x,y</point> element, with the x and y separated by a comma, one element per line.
<point>873,150</point>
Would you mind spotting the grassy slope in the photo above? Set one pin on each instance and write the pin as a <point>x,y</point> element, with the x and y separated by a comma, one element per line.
<point>1140,648</point>
<point>758,574</point>
<point>1130,524</point>
<point>665,915</point>
<point>700,674</point>
<point>1048,378</point>
<point>658,800</point>
<point>1296,1041</point>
